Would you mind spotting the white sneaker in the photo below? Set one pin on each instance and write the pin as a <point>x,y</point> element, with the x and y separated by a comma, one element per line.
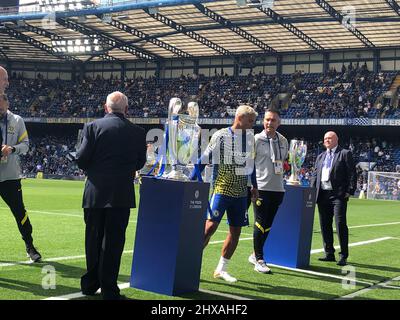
<point>224,276</point>
<point>252,259</point>
<point>261,266</point>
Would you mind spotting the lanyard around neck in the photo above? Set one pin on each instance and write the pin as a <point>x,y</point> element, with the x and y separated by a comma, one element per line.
<point>279,145</point>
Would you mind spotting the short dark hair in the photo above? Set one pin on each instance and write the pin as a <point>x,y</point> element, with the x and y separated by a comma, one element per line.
<point>273,110</point>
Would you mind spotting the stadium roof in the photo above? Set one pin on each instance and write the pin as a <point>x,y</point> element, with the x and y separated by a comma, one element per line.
<point>164,29</point>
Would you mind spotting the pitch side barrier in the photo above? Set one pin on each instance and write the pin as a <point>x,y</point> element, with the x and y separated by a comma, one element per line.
<point>41,175</point>
<point>357,122</point>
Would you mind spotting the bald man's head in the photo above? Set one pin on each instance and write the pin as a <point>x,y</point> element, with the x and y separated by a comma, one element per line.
<point>117,102</point>
<point>330,140</point>
<point>3,80</point>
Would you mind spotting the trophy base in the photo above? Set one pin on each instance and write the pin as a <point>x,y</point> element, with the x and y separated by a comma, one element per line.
<point>293,180</point>
<point>177,175</point>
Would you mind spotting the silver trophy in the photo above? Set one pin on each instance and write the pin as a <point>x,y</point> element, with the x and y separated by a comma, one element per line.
<point>297,155</point>
<point>151,154</point>
<point>183,137</point>
<point>151,158</point>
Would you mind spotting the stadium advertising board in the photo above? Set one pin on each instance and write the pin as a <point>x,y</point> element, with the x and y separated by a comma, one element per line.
<point>228,121</point>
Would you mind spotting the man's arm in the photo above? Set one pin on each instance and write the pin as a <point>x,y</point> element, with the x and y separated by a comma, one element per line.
<point>22,145</point>
<point>313,182</point>
<point>351,173</point>
<point>206,157</point>
<point>85,151</point>
<point>142,150</point>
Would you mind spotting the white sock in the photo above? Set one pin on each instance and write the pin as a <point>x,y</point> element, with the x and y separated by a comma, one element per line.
<point>222,264</point>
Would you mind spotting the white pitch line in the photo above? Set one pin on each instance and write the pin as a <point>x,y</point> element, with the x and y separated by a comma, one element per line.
<point>374,225</point>
<point>81,295</point>
<point>226,295</point>
<point>380,285</point>
<point>51,213</point>
<point>10,264</point>
<point>222,241</point>
<point>126,285</point>
<point>317,273</point>
<point>242,233</point>
<point>355,244</point>
<point>56,212</point>
<point>331,275</point>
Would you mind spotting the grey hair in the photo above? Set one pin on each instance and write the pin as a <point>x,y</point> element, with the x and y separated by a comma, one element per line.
<point>245,110</point>
<point>117,101</point>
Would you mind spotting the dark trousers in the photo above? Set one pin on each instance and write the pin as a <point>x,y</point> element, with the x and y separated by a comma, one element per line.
<point>104,244</point>
<point>329,207</point>
<point>265,210</point>
<point>11,193</point>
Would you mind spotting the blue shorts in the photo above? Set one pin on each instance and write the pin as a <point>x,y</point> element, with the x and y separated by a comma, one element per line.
<point>236,209</point>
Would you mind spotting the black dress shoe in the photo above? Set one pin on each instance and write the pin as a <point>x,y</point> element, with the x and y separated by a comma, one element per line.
<point>342,262</point>
<point>89,292</point>
<point>328,257</point>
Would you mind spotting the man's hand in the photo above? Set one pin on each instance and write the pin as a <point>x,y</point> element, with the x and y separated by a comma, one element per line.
<point>6,150</point>
<point>254,194</point>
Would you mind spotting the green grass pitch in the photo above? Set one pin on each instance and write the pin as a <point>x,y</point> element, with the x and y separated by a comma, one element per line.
<point>54,208</point>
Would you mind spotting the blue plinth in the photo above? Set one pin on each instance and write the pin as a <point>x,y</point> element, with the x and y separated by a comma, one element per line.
<point>169,236</point>
<point>289,242</point>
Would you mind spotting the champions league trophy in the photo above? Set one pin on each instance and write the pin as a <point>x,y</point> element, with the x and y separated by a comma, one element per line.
<point>297,155</point>
<point>183,137</point>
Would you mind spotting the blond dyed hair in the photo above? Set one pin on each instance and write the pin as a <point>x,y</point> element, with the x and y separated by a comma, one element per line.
<point>245,110</point>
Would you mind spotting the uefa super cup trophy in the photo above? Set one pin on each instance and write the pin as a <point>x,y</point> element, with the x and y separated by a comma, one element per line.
<point>183,137</point>
<point>297,155</point>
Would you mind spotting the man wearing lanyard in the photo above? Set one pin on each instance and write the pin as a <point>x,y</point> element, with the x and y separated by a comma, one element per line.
<point>335,179</point>
<point>15,142</point>
<point>271,151</point>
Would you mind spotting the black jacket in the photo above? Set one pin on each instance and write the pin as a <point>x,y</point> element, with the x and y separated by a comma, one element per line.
<point>112,150</point>
<point>342,176</point>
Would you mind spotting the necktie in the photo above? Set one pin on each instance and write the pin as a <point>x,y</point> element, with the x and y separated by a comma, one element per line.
<point>328,159</point>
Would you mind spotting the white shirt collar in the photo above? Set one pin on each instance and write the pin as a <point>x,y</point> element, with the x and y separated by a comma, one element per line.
<point>333,150</point>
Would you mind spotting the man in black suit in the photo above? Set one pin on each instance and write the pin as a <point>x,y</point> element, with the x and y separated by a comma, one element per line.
<point>335,180</point>
<point>111,151</point>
